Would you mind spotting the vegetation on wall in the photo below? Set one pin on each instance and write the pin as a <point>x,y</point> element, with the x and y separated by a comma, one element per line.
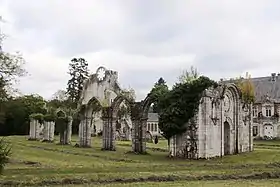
<point>247,88</point>
<point>61,123</point>
<point>180,105</point>
<point>37,116</point>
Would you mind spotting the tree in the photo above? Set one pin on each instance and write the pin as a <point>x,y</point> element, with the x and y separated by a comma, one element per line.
<point>247,88</point>
<point>180,105</point>
<point>189,76</point>
<point>158,91</point>
<point>78,70</point>
<point>17,112</point>
<point>10,68</point>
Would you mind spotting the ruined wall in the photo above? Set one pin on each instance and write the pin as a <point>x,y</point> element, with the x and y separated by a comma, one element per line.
<point>35,131</point>
<point>224,126</point>
<point>48,131</point>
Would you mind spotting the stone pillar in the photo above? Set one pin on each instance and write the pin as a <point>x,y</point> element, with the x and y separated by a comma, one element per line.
<point>69,131</point>
<point>52,129</point>
<point>172,146</point>
<point>48,131</point>
<point>138,129</point>
<point>35,129</point>
<point>109,130</point>
<point>251,144</point>
<point>65,136</point>
<point>85,133</point>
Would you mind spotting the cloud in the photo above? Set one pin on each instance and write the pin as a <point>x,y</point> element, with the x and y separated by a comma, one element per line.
<point>142,40</point>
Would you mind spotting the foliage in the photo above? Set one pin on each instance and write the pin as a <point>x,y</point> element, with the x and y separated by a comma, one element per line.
<point>61,123</point>
<point>247,88</point>
<point>16,112</point>
<point>123,111</point>
<point>189,76</point>
<point>49,117</point>
<point>78,70</point>
<point>180,105</point>
<point>5,152</point>
<point>129,94</point>
<point>11,67</point>
<point>159,90</point>
<point>38,116</point>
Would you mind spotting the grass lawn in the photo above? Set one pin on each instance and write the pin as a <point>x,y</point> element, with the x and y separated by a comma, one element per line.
<point>47,164</point>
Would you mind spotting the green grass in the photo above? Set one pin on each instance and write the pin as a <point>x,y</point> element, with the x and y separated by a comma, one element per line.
<point>37,164</point>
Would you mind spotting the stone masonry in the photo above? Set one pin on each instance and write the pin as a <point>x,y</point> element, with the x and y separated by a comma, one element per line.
<point>35,130</point>
<point>48,131</point>
<point>223,126</point>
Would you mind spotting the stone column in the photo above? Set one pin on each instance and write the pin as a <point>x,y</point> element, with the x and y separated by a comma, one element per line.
<point>138,129</point>
<point>85,133</point>
<point>52,128</point>
<point>113,133</point>
<point>32,130</point>
<point>109,130</point>
<point>37,130</point>
<point>81,133</point>
<point>172,146</point>
<point>68,131</point>
<point>48,131</point>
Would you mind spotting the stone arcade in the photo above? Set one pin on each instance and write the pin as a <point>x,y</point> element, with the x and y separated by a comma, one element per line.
<point>222,126</point>
<point>100,91</point>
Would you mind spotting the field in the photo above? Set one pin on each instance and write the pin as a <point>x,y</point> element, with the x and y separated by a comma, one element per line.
<point>47,164</point>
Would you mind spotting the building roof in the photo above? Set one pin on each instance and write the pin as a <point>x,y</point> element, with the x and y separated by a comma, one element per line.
<point>153,117</point>
<point>266,88</point>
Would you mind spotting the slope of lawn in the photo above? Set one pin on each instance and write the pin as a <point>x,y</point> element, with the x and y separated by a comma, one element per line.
<point>34,163</point>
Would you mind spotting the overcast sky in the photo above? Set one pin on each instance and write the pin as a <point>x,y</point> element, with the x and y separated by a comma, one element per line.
<point>142,39</point>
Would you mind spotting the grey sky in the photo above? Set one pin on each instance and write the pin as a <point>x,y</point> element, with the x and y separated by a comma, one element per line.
<point>142,40</point>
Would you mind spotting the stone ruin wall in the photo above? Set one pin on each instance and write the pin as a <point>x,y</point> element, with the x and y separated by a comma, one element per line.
<point>210,122</point>
<point>48,131</point>
<point>35,131</point>
<point>104,91</point>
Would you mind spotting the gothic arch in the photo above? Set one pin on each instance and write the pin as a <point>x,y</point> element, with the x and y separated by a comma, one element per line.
<point>146,105</point>
<point>235,93</point>
<point>60,113</point>
<point>117,102</point>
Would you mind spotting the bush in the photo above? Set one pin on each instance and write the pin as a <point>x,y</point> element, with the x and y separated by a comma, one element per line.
<point>5,152</point>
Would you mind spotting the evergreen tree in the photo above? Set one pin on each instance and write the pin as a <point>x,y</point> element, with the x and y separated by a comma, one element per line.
<point>78,70</point>
<point>160,88</point>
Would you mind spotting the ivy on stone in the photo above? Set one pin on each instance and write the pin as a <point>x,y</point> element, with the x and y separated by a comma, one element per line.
<point>61,123</point>
<point>49,117</point>
<point>179,105</point>
<point>37,116</point>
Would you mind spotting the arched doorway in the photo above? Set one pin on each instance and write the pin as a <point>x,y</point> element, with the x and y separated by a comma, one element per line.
<point>226,138</point>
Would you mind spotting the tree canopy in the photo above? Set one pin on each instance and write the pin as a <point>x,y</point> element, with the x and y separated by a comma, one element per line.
<point>158,91</point>
<point>180,105</point>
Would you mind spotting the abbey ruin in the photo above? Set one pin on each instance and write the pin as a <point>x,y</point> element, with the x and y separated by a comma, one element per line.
<point>222,126</point>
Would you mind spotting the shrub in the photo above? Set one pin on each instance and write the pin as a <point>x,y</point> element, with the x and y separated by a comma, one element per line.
<point>5,152</point>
